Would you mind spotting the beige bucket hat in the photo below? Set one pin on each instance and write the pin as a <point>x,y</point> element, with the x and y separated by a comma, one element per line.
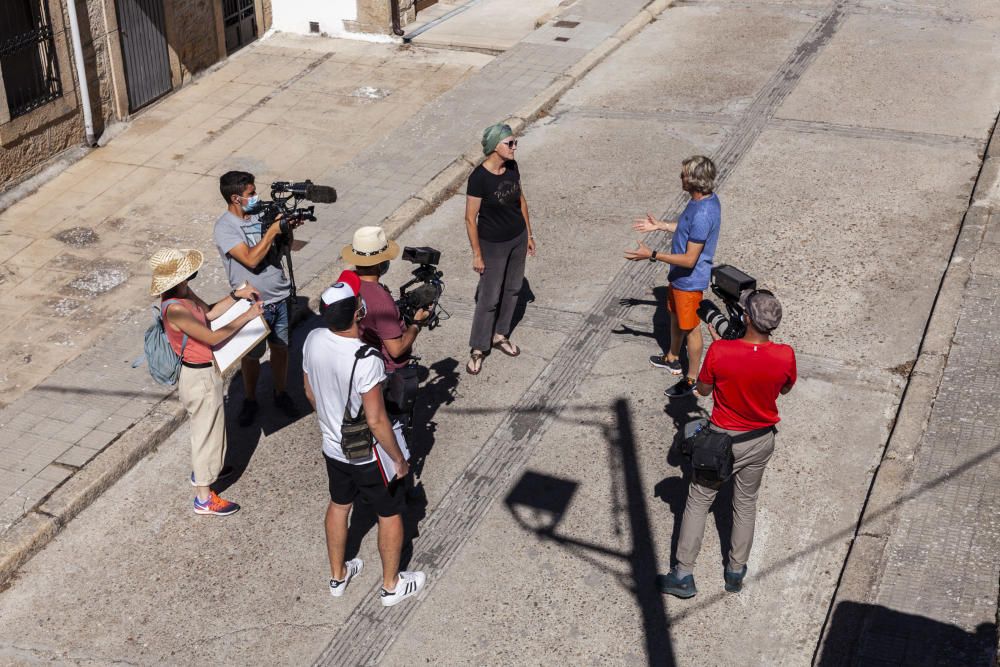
<point>171,267</point>
<point>369,247</point>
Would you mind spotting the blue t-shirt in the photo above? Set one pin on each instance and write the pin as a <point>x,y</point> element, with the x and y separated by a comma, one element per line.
<point>699,223</point>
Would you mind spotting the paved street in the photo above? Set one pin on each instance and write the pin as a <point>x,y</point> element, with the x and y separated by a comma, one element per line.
<point>849,136</point>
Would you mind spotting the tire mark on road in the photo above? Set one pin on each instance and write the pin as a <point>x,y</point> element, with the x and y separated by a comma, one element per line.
<point>368,635</point>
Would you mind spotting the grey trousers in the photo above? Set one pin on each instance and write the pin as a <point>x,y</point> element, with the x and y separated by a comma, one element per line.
<point>751,458</point>
<point>499,285</point>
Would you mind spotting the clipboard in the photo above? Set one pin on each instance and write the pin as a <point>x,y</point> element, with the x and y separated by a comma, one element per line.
<point>234,348</point>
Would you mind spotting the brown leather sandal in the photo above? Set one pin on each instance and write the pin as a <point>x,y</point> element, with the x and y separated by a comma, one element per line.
<point>507,347</point>
<point>475,363</point>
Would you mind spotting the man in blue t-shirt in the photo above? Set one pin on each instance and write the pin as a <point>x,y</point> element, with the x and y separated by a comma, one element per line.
<point>696,235</point>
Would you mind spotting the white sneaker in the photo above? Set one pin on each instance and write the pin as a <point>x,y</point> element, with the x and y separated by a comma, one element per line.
<point>354,567</point>
<point>409,584</point>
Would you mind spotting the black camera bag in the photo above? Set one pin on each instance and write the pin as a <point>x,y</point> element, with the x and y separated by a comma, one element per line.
<point>356,438</point>
<point>712,455</point>
<point>711,452</point>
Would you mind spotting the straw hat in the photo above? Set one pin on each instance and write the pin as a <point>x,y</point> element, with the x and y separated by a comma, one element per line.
<point>369,247</point>
<point>171,267</point>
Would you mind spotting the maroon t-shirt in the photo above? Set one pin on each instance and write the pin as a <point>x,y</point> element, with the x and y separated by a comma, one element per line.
<point>748,378</point>
<point>381,322</point>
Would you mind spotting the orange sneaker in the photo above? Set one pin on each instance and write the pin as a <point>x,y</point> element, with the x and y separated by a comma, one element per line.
<point>215,506</point>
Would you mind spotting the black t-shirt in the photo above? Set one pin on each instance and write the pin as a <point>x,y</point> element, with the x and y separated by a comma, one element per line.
<point>500,217</point>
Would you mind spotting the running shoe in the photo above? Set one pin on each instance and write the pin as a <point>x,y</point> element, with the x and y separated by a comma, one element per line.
<point>671,584</point>
<point>684,387</point>
<point>409,584</point>
<point>215,506</point>
<point>285,403</point>
<point>354,567</point>
<point>660,361</point>
<point>248,413</point>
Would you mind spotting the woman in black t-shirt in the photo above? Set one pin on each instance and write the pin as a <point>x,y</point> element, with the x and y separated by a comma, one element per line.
<point>496,218</point>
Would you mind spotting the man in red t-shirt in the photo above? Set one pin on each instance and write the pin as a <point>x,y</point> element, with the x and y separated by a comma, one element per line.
<point>745,378</point>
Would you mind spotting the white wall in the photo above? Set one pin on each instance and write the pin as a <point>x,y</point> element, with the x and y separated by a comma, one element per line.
<point>295,15</point>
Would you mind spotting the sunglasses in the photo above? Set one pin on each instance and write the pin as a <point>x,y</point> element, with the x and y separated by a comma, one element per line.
<point>512,144</point>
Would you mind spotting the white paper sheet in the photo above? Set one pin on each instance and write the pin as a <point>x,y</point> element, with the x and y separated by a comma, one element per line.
<point>231,350</point>
<point>387,465</point>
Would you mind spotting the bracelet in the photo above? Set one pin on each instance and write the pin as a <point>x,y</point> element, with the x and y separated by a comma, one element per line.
<point>232,295</point>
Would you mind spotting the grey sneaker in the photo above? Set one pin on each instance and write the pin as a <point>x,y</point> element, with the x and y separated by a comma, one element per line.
<point>354,568</point>
<point>734,580</point>
<point>682,588</point>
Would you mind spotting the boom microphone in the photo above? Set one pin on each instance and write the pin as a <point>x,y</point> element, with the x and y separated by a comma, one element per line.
<point>321,194</point>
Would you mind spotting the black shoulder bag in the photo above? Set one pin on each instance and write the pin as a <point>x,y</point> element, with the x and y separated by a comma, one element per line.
<point>356,438</point>
<point>711,452</point>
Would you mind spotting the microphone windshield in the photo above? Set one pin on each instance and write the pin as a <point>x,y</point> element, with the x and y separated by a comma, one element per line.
<point>321,194</point>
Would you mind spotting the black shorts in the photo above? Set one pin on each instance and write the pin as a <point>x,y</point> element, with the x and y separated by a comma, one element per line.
<point>348,481</point>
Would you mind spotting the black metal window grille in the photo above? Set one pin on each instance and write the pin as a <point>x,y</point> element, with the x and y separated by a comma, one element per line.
<point>27,56</point>
<point>240,23</point>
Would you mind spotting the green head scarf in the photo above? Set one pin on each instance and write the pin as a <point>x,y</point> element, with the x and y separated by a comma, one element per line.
<point>493,135</point>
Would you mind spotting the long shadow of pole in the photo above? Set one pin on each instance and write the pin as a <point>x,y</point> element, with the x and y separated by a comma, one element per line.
<point>642,558</point>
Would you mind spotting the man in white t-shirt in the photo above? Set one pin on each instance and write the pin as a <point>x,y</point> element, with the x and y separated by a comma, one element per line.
<point>329,358</point>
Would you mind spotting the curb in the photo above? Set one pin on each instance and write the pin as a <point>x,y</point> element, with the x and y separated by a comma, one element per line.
<point>866,556</point>
<point>39,526</point>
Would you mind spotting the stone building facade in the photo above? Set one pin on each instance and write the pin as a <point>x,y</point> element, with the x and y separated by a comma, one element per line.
<point>134,52</point>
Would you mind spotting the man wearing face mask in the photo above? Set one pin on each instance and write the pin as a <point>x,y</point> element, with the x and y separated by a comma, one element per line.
<point>383,327</point>
<point>245,250</point>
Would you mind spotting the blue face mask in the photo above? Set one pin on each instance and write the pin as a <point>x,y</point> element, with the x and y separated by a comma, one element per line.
<point>251,203</point>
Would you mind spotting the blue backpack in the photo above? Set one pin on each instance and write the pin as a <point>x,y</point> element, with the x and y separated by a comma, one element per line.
<point>164,364</point>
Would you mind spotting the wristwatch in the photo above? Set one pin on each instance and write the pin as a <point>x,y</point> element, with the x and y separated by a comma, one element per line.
<point>652,257</point>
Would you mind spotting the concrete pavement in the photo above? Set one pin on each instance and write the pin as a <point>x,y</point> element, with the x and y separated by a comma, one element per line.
<point>572,436</point>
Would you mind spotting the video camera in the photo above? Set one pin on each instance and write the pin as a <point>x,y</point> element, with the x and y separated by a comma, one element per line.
<point>728,283</point>
<point>425,289</point>
<point>285,197</point>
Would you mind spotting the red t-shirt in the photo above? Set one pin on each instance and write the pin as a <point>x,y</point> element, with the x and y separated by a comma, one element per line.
<point>381,322</point>
<point>747,379</point>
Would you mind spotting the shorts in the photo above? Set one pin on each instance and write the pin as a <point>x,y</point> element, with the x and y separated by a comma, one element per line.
<point>348,481</point>
<point>684,306</point>
<point>276,316</point>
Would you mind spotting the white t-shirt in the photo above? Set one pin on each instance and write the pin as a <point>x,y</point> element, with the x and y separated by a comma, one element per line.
<point>327,359</point>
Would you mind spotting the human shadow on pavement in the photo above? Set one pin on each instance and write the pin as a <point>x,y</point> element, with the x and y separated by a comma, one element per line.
<point>867,634</point>
<point>435,391</point>
<point>242,442</point>
<point>660,321</point>
<point>538,502</point>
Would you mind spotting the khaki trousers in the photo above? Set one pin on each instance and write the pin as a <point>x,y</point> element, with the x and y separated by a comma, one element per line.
<point>751,458</point>
<point>200,391</point>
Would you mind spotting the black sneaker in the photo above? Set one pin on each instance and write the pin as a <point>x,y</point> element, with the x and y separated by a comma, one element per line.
<point>660,361</point>
<point>684,387</point>
<point>248,413</point>
<point>285,403</point>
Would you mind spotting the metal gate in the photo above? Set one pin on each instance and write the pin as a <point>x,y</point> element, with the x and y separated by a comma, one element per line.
<point>240,21</point>
<point>144,48</point>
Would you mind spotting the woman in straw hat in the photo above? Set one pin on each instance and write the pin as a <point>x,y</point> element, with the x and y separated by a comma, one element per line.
<point>496,218</point>
<point>185,320</point>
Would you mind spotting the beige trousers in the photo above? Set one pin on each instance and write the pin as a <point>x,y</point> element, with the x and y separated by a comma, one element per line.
<point>200,391</point>
<point>750,459</point>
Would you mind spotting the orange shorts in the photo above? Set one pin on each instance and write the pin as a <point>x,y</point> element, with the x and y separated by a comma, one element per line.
<point>684,306</point>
